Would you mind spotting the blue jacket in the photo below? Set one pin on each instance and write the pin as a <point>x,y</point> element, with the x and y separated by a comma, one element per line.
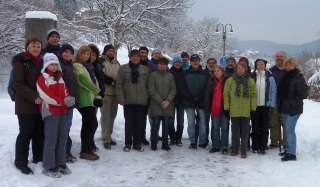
<point>271,88</point>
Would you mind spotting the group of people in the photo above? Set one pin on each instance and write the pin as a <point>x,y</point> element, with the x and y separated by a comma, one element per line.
<point>147,88</point>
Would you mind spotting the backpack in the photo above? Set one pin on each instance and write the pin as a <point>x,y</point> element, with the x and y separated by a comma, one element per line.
<point>10,88</point>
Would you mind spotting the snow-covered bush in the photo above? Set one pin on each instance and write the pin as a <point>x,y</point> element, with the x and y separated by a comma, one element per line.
<point>314,87</point>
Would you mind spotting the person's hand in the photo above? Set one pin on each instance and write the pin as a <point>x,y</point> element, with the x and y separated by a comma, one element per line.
<point>226,113</point>
<point>69,101</point>
<point>252,113</point>
<point>165,104</point>
<point>38,101</point>
<point>97,102</point>
<point>122,103</point>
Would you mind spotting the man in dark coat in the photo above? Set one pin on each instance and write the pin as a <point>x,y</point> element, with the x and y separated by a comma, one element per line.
<point>53,38</point>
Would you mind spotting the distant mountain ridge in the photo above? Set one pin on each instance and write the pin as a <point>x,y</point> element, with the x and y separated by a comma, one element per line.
<point>270,48</point>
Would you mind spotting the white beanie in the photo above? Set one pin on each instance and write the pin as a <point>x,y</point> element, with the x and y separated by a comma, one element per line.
<point>50,58</point>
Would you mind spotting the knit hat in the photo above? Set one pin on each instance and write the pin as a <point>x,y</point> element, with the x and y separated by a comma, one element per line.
<point>51,32</point>
<point>255,63</point>
<point>183,54</point>
<point>106,48</point>
<point>134,52</point>
<point>212,59</point>
<point>232,58</point>
<point>162,59</point>
<point>176,59</point>
<point>50,58</point>
<point>65,47</point>
<point>194,56</point>
<point>244,59</point>
<point>154,50</point>
<point>144,48</point>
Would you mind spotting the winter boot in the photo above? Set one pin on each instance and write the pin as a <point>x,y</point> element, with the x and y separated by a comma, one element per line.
<point>179,143</point>
<point>94,148</point>
<point>234,153</point>
<point>262,151</point>
<point>89,156</point>
<point>255,151</point>
<point>107,145</point>
<point>289,157</point>
<point>127,148</point>
<point>138,148</point>
<point>64,169</point>
<point>214,150</point>
<point>283,153</point>
<point>113,142</point>
<point>25,170</point>
<point>70,158</point>
<point>166,147</point>
<point>225,151</point>
<point>154,147</point>
<point>204,146</point>
<point>243,154</point>
<point>193,146</point>
<point>172,142</point>
<point>53,172</point>
<point>144,141</point>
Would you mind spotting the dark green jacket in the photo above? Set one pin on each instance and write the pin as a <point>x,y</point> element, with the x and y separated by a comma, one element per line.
<point>161,87</point>
<point>192,85</point>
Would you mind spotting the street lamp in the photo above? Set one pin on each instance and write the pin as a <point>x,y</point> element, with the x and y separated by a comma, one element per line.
<point>224,34</point>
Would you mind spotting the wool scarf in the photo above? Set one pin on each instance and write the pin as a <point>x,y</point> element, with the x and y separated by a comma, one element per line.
<point>217,98</point>
<point>283,91</point>
<point>185,65</point>
<point>36,59</point>
<point>89,68</point>
<point>134,73</point>
<point>241,79</point>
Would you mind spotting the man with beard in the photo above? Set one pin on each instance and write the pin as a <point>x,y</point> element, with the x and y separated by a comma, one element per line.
<point>231,63</point>
<point>52,46</point>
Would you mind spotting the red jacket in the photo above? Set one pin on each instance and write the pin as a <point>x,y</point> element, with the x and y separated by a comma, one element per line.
<point>53,93</point>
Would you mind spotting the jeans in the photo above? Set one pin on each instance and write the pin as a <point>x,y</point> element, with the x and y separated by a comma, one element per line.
<point>69,124</point>
<point>155,129</point>
<point>220,123</point>
<point>290,123</point>
<point>177,135</point>
<point>192,125</point>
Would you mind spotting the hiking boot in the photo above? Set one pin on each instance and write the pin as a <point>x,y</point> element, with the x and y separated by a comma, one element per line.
<point>166,147</point>
<point>25,170</point>
<point>204,146</point>
<point>262,151</point>
<point>113,142</point>
<point>214,150</point>
<point>243,154</point>
<point>234,153</point>
<point>172,142</point>
<point>289,157</point>
<point>144,141</point>
<point>107,145</point>
<point>64,169</point>
<point>193,146</point>
<point>70,158</point>
<point>53,172</point>
<point>179,143</point>
<point>255,151</point>
<point>283,153</point>
<point>225,151</point>
<point>89,156</point>
<point>127,148</point>
<point>271,146</point>
<point>138,148</point>
<point>154,147</point>
<point>94,148</point>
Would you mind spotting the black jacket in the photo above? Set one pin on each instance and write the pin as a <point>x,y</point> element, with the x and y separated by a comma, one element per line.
<point>50,49</point>
<point>97,65</point>
<point>177,76</point>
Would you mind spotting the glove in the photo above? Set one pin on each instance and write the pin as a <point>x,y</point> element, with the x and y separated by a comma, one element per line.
<point>108,80</point>
<point>97,102</point>
<point>165,104</point>
<point>271,109</point>
<point>252,113</point>
<point>226,113</point>
<point>194,102</point>
<point>101,93</point>
<point>69,101</point>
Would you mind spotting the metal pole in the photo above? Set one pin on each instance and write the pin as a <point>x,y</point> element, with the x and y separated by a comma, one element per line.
<point>224,43</point>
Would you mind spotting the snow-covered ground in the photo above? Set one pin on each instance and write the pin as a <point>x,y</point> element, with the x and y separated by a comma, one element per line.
<point>181,167</point>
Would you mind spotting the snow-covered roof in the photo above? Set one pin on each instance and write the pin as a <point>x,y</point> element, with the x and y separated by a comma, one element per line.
<point>41,15</point>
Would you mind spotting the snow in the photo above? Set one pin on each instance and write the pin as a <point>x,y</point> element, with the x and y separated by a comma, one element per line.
<point>181,167</point>
<point>41,15</point>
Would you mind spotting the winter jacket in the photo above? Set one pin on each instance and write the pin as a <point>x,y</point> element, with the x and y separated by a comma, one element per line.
<point>239,106</point>
<point>97,69</point>
<point>52,92</point>
<point>229,71</point>
<point>87,91</point>
<point>161,87</point>
<point>110,69</point>
<point>298,91</point>
<point>193,83</point>
<point>277,74</point>
<point>148,64</point>
<point>155,64</point>
<point>132,93</point>
<point>25,87</point>
<point>209,94</point>
<point>177,76</point>
<point>266,96</point>
<point>69,77</point>
<point>50,49</point>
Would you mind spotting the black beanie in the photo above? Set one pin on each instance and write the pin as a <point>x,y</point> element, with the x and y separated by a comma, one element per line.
<point>255,63</point>
<point>144,48</point>
<point>134,52</point>
<point>106,48</point>
<point>65,47</point>
<point>51,32</point>
<point>184,54</point>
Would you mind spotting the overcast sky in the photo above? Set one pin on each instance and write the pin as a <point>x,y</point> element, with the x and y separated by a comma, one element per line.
<point>281,21</point>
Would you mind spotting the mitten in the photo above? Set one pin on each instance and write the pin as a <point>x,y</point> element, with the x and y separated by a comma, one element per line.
<point>97,102</point>
<point>165,104</point>
<point>108,80</point>
<point>252,113</point>
<point>271,109</point>
<point>226,113</point>
<point>69,101</point>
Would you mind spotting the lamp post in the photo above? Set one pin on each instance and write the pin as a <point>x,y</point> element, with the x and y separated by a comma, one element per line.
<point>224,34</point>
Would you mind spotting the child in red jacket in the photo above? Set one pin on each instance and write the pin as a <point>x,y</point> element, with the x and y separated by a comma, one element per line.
<point>56,100</point>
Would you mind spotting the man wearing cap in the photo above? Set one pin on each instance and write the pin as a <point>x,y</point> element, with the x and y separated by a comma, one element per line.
<point>231,63</point>
<point>110,67</point>
<point>185,60</point>
<point>131,92</point>
<point>53,38</point>
<point>192,89</point>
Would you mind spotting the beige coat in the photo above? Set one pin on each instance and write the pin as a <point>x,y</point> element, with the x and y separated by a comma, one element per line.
<point>110,68</point>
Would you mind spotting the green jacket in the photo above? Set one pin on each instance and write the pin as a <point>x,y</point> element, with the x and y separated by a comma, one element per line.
<point>87,91</point>
<point>128,92</point>
<point>239,106</point>
<point>161,87</point>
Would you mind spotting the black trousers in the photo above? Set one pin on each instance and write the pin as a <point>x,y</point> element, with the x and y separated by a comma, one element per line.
<point>145,111</point>
<point>133,115</point>
<point>89,127</point>
<point>31,127</point>
<point>260,128</point>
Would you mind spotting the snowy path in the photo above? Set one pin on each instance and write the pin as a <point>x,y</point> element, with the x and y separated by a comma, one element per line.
<point>181,167</point>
